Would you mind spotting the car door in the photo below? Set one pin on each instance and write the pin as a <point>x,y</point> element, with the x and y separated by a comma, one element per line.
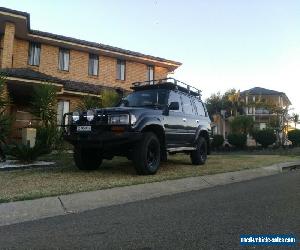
<point>173,123</point>
<point>202,118</point>
<point>189,119</point>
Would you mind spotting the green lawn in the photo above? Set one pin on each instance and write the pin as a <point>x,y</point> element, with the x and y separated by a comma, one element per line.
<point>64,178</point>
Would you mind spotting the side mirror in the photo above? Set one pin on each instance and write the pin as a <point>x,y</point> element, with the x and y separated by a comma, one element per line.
<point>174,106</point>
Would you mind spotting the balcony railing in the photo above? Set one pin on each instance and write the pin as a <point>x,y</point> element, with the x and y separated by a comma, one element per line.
<point>262,112</point>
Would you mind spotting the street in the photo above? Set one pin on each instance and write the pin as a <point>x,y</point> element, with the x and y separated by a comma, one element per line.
<point>211,218</point>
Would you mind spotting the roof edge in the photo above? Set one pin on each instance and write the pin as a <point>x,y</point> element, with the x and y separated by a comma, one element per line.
<point>88,43</point>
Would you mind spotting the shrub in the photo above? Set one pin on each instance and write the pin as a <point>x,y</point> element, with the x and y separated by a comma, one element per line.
<point>109,98</point>
<point>89,102</point>
<point>24,153</point>
<point>49,138</point>
<point>294,136</point>
<point>242,124</point>
<point>237,139</point>
<point>264,137</point>
<point>217,141</point>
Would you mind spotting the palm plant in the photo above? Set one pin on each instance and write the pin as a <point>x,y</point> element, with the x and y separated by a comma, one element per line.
<point>44,104</point>
<point>5,120</point>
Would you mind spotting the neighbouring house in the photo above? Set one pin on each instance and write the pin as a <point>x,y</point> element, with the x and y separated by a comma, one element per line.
<point>30,57</point>
<point>252,103</point>
<point>261,114</point>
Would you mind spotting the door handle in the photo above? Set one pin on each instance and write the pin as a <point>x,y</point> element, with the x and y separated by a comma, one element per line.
<point>184,119</point>
<point>197,121</point>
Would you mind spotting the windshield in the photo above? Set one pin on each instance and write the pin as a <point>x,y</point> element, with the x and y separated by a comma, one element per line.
<point>146,98</point>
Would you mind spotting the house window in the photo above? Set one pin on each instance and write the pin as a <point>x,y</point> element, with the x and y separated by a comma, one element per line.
<point>150,73</point>
<point>250,110</point>
<point>62,108</point>
<point>93,64</point>
<point>34,54</point>
<point>64,59</point>
<point>121,70</point>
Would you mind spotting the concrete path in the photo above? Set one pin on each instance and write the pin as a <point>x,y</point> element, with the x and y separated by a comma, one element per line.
<point>21,211</point>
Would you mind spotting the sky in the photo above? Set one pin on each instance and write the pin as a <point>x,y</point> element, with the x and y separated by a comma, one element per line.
<point>222,44</point>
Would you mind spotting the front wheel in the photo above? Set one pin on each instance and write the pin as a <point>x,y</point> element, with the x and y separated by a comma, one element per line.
<point>87,158</point>
<point>146,155</point>
<point>199,156</point>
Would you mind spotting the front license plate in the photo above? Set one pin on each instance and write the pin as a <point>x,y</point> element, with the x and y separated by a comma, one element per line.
<point>84,128</point>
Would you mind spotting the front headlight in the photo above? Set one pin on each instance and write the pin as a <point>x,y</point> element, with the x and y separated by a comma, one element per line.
<point>118,119</point>
<point>75,116</point>
<point>90,115</point>
<point>133,119</point>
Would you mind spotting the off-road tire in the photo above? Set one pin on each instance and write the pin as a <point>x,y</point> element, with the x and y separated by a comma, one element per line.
<point>87,158</point>
<point>146,155</point>
<point>199,156</point>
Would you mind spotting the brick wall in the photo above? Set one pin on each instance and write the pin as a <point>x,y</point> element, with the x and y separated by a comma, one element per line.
<point>1,49</point>
<point>8,43</point>
<point>74,100</point>
<point>78,70</point>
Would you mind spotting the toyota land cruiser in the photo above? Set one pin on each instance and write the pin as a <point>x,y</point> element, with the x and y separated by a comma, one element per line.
<point>158,118</point>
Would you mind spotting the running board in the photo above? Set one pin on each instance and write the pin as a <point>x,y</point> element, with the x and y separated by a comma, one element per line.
<point>170,150</point>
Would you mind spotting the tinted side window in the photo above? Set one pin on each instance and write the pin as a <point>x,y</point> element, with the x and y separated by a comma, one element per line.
<point>175,97</point>
<point>186,105</point>
<point>200,108</point>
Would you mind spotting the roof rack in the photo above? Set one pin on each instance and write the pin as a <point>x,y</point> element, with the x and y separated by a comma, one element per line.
<point>177,84</point>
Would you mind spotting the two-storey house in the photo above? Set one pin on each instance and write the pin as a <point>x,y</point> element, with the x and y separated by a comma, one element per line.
<point>30,57</point>
<point>265,105</point>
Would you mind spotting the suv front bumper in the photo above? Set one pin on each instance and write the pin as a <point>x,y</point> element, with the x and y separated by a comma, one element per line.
<point>103,139</point>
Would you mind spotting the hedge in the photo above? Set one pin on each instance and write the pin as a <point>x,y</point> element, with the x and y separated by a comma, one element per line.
<point>237,139</point>
<point>294,137</point>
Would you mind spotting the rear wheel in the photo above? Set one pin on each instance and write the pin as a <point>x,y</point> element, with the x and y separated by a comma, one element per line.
<point>199,156</point>
<point>87,158</point>
<point>146,155</point>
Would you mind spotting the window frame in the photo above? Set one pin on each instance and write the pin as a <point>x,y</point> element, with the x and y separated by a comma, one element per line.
<point>90,58</point>
<point>201,106</point>
<point>60,116</point>
<point>191,104</point>
<point>59,52</point>
<point>120,62</point>
<point>171,92</point>
<point>29,53</point>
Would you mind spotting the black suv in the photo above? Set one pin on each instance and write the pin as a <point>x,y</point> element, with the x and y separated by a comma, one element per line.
<point>158,117</point>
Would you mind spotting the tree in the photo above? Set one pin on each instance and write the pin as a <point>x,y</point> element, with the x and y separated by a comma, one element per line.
<point>214,104</point>
<point>230,101</point>
<point>242,124</point>
<point>295,119</point>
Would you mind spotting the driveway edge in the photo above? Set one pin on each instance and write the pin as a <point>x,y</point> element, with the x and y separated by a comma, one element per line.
<point>21,211</point>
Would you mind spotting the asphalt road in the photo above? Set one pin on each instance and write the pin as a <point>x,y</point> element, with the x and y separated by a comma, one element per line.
<point>207,219</point>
